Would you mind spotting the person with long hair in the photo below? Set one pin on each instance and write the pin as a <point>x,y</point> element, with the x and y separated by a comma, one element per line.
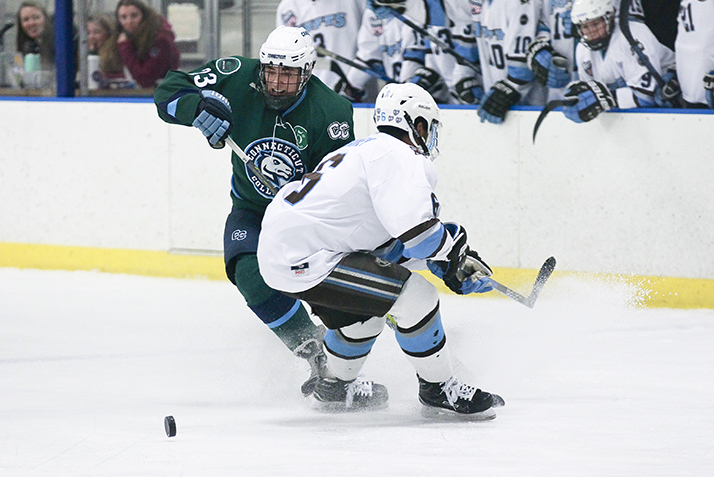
<point>36,33</point>
<point>145,42</point>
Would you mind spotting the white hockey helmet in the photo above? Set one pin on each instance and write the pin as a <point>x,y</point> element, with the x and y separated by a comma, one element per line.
<point>401,105</point>
<point>594,21</point>
<point>290,49</point>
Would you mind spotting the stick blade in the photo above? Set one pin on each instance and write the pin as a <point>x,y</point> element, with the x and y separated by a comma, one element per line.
<point>556,103</point>
<point>543,275</point>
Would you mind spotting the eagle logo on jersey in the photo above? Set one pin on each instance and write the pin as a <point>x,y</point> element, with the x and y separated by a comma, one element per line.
<point>278,160</point>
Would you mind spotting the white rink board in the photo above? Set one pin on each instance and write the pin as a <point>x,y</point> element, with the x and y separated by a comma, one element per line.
<point>626,193</point>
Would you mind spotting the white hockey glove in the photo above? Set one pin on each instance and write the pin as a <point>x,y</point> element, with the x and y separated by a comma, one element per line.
<point>593,99</point>
<point>214,118</point>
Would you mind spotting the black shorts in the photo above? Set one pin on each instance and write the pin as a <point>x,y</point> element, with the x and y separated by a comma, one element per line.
<point>360,287</point>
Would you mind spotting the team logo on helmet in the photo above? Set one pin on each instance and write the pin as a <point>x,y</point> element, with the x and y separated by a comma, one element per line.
<point>280,162</point>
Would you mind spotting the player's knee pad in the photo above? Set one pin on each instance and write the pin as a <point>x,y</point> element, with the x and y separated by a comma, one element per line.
<point>271,306</point>
<point>416,312</point>
<point>417,298</point>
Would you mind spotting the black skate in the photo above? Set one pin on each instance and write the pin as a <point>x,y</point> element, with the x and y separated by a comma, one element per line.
<point>456,397</point>
<point>335,395</point>
<point>311,350</point>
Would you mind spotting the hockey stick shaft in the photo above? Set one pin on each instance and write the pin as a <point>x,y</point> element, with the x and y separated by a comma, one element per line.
<point>624,21</point>
<point>543,274</point>
<point>251,165</point>
<point>352,63</point>
<point>437,41</point>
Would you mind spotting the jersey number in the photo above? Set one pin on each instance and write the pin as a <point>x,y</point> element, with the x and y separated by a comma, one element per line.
<point>311,179</point>
<point>204,77</point>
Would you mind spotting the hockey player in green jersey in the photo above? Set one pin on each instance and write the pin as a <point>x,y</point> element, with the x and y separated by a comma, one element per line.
<point>285,120</point>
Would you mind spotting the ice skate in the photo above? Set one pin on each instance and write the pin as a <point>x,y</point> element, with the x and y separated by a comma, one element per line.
<point>454,397</point>
<point>311,350</point>
<point>336,395</point>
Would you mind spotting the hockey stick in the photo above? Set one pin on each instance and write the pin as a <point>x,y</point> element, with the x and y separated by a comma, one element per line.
<point>472,269</point>
<point>438,41</point>
<point>251,165</point>
<point>556,103</point>
<point>624,21</point>
<point>545,271</point>
<point>352,63</point>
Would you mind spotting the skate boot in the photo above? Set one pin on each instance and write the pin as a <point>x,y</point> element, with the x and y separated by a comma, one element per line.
<point>311,351</point>
<point>456,397</point>
<point>336,395</point>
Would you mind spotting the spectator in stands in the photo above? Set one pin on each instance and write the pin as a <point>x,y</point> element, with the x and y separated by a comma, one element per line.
<point>36,33</point>
<point>145,42</point>
<point>99,30</point>
<point>109,72</point>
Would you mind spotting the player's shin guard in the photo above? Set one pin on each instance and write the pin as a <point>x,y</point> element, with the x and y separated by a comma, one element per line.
<point>419,332</point>
<point>347,347</point>
<point>286,317</point>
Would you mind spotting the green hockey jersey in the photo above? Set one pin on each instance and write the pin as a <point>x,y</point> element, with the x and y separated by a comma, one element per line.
<point>283,144</point>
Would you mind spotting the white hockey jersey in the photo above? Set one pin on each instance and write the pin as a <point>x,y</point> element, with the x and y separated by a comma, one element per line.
<point>619,67</point>
<point>694,47</point>
<point>492,21</point>
<point>358,198</point>
<point>539,19</point>
<point>382,40</point>
<point>333,24</point>
<point>402,50</point>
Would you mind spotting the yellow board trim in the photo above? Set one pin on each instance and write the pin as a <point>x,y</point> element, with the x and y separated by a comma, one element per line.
<point>658,292</point>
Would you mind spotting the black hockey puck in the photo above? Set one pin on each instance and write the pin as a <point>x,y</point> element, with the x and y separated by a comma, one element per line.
<point>170,426</point>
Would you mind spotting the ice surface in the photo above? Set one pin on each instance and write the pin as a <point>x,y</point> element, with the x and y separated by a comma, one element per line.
<point>90,364</point>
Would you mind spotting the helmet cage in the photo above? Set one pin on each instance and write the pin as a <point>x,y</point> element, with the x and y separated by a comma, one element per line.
<point>607,23</point>
<point>287,55</point>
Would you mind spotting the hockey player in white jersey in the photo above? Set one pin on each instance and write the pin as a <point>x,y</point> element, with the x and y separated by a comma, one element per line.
<point>493,22</point>
<point>340,238</point>
<point>610,71</point>
<point>391,47</point>
<point>332,24</point>
<point>550,56</point>
<point>694,49</point>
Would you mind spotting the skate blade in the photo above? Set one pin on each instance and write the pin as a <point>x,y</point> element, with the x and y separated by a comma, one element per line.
<point>339,407</point>
<point>447,415</point>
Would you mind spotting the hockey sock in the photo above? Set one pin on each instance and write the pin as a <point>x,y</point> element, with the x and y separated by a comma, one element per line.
<point>347,348</point>
<point>285,316</point>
